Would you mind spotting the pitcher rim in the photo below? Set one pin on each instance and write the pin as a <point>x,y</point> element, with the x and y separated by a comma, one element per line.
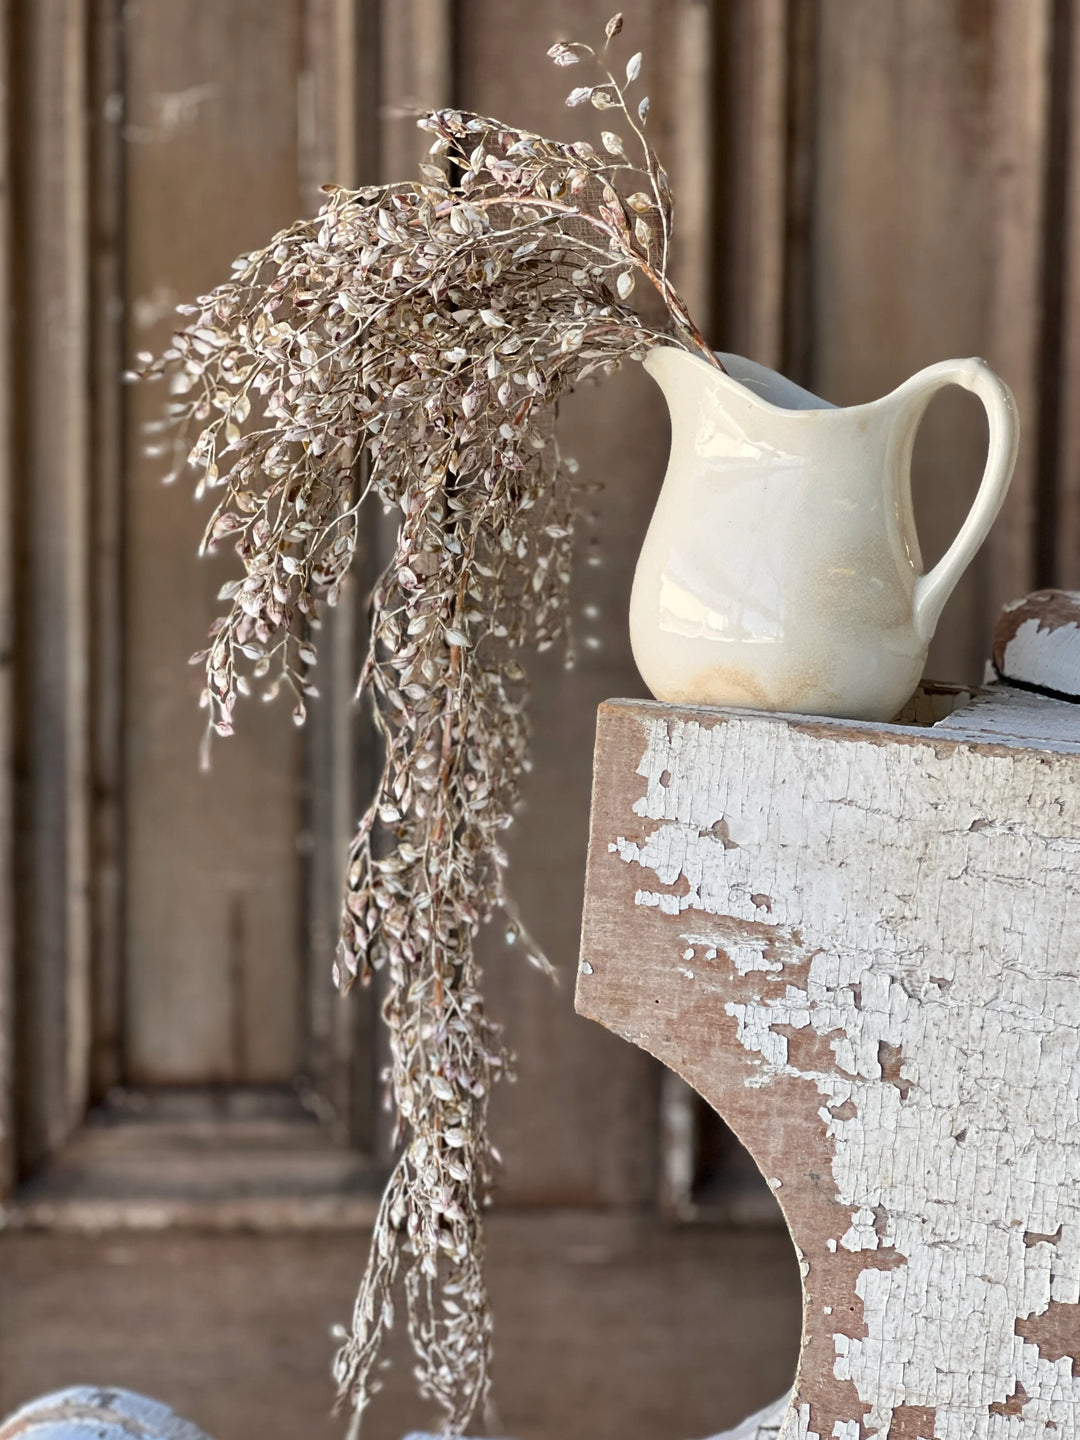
<point>826,406</point>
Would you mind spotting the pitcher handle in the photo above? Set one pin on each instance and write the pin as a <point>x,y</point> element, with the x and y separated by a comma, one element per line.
<point>934,588</point>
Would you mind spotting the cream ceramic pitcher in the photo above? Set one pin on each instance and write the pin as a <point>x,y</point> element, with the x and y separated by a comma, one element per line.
<point>781,569</point>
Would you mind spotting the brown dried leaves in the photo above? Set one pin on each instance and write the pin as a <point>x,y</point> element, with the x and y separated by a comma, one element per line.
<point>431,328</point>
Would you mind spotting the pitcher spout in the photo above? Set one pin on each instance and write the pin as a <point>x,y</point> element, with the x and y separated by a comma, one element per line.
<point>703,401</point>
<point>683,378</point>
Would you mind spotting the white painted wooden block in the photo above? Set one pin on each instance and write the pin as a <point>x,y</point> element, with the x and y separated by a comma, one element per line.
<point>861,944</point>
<point>87,1412</point>
<point>1037,641</point>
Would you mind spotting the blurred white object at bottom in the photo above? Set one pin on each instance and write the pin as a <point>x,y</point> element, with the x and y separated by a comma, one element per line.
<point>97,1412</point>
<point>764,1425</point>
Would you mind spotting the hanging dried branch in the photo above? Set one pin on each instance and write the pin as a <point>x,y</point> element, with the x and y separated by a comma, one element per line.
<point>431,327</point>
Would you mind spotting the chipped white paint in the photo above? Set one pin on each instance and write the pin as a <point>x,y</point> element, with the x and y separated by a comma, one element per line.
<point>926,898</point>
<point>1015,717</point>
<point>1037,641</point>
<point>1039,658</point>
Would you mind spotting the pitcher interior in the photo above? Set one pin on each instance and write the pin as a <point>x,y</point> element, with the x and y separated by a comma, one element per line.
<point>775,389</point>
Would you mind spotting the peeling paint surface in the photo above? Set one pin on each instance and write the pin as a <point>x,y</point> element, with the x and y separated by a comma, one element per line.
<point>1040,658</point>
<point>915,978</point>
<point>1037,641</point>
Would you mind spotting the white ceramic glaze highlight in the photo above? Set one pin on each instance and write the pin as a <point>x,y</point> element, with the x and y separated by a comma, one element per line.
<point>781,569</point>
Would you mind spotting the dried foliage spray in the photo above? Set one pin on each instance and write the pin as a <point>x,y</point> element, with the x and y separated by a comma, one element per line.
<point>409,345</point>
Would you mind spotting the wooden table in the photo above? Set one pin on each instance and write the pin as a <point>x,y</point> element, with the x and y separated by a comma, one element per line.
<point>859,943</point>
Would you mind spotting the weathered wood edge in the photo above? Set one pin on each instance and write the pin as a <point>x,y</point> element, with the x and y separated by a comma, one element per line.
<point>634,712</point>
<point>625,712</point>
<point>957,728</point>
<point>826,727</point>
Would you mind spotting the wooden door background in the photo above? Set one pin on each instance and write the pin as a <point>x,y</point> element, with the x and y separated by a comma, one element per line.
<point>861,190</point>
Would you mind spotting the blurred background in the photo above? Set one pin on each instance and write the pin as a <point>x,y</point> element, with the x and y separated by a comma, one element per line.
<point>191,1138</point>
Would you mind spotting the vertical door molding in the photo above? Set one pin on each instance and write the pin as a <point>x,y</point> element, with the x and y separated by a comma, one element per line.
<point>339,145</point>
<point>105,480</point>
<point>8,1157</point>
<point>51,444</point>
<point>1021,72</point>
<point>1063,519</point>
<point>413,47</point>
<point>801,126</point>
<point>59,438</point>
<point>686,93</point>
<point>417,72</point>
<point>753,66</point>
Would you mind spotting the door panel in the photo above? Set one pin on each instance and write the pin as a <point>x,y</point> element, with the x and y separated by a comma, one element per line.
<point>858,194</point>
<point>213,944</point>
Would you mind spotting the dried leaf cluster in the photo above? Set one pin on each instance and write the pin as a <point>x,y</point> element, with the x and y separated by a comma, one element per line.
<point>409,345</point>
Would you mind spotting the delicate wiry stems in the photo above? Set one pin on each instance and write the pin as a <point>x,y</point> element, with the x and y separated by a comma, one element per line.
<point>430,329</point>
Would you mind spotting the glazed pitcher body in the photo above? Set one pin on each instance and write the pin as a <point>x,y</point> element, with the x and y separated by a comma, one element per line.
<point>781,569</point>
